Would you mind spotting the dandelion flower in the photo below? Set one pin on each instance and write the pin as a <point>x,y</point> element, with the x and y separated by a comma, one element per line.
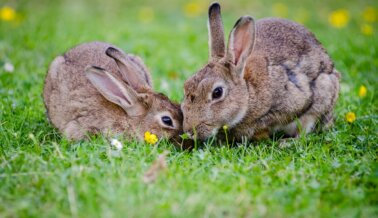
<point>150,138</point>
<point>7,13</point>
<point>117,144</point>
<point>367,29</point>
<point>225,127</point>
<point>339,18</point>
<point>370,14</point>
<point>146,14</point>
<point>362,91</point>
<point>350,117</point>
<point>193,9</point>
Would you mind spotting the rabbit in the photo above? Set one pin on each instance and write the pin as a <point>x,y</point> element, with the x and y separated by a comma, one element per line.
<point>273,76</point>
<point>95,88</point>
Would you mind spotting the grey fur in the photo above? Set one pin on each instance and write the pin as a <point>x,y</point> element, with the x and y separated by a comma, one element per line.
<point>77,108</point>
<point>288,78</point>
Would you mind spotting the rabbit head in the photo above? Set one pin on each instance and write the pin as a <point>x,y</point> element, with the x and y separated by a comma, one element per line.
<point>146,110</point>
<point>217,95</point>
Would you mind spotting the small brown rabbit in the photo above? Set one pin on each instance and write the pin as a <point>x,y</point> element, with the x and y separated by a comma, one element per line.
<point>113,95</point>
<point>274,75</point>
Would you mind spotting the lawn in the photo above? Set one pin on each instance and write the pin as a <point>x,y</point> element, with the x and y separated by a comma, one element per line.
<point>329,174</point>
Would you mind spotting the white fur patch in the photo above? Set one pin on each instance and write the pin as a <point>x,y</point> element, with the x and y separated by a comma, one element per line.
<point>309,123</point>
<point>238,117</point>
<point>214,131</point>
<point>291,129</point>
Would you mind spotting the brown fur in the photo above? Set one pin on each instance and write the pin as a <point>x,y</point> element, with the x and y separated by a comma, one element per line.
<point>287,76</point>
<point>216,35</point>
<point>77,108</point>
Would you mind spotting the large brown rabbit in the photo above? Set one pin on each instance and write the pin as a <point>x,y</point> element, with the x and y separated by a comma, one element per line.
<point>113,96</point>
<point>274,75</point>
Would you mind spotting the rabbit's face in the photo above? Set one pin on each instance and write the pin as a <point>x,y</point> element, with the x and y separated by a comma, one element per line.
<point>215,96</point>
<point>161,117</point>
<point>131,90</point>
<point>218,94</point>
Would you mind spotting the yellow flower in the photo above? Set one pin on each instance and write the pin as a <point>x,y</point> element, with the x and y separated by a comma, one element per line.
<point>7,13</point>
<point>150,138</point>
<point>367,29</point>
<point>193,9</point>
<point>370,14</point>
<point>225,127</point>
<point>350,117</point>
<point>280,9</point>
<point>339,18</point>
<point>362,91</point>
<point>146,14</point>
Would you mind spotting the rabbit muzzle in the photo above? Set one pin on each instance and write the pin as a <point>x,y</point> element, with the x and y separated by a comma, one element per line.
<point>201,131</point>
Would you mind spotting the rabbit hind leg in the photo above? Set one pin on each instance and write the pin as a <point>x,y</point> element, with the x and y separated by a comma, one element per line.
<point>303,125</point>
<point>325,93</point>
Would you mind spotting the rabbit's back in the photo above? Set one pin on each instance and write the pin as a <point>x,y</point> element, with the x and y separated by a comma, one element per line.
<point>300,74</point>
<point>73,105</point>
<point>290,45</point>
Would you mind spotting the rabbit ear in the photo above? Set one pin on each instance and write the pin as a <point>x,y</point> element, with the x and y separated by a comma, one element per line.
<point>216,32</point>
<point>134,74</point>
<point>115,91</point>
<point>241,41</point>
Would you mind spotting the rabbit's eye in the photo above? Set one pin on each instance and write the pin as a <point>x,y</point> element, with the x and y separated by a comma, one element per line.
<point>217,93</point>
<point>167,121</point>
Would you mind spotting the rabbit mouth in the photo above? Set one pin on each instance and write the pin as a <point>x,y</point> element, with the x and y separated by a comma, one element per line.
<point>203,131</point>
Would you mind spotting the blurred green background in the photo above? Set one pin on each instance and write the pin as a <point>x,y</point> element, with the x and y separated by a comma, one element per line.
<point>171,36</point>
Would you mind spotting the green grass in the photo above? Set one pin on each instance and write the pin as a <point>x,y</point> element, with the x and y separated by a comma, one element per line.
<point>331,174</point>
